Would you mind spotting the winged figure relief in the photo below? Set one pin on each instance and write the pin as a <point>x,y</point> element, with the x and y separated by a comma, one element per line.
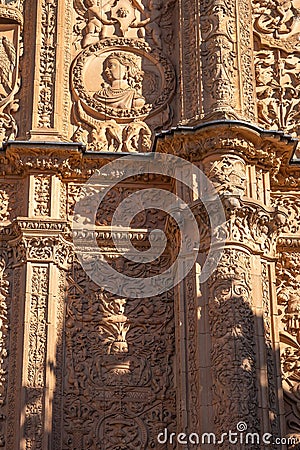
<point>94,20</point>
<point>8,59</point>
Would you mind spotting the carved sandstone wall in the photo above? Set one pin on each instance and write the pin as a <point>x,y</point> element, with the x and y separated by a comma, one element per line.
<point>81,84</point>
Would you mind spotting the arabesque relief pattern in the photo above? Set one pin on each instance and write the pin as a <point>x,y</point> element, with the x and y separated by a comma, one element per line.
<point>5,335</point>
<point>47,64</point>
<point>81,368</point>
<point>236,307</point>
<point>232,354</point>
<point>11,21</point>
<point>122,350</point>
<point>276,29</point>
<point>110,361</point>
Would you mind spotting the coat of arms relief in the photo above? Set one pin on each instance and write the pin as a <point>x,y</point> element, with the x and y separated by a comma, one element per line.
<point>122,81</point>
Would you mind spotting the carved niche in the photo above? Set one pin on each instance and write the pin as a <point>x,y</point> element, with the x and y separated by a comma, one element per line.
<point>277,64</point>
<point>122,82</point>
<point>10,30</point>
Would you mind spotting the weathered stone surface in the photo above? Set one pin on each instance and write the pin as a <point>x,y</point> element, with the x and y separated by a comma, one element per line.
<point>82,83</point>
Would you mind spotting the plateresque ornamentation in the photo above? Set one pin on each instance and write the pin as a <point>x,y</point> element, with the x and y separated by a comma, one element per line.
<point>110,84</point>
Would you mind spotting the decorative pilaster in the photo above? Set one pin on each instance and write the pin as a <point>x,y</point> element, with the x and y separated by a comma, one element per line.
<point>226,55</point>
<point>40,254</point>
<point>46,66</point>
<point>237,346</point>
<point>44,71</point>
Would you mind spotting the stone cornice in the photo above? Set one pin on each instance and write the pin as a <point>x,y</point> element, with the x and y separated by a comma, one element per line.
<point>268,149</point>
<point>65,159</point>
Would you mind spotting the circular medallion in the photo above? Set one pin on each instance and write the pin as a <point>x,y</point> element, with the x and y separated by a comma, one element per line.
<point>122,79</point>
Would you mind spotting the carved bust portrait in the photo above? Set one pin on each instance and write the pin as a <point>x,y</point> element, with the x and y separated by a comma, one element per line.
<point>123,78</point>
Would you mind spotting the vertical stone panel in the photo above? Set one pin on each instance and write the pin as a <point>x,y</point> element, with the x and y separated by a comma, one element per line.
<point>36,357</point>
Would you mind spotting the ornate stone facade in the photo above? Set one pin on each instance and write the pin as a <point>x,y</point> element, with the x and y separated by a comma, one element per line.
<point>108,365</point>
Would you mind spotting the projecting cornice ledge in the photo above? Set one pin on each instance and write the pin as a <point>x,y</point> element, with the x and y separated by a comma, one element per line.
<point>268,149</point>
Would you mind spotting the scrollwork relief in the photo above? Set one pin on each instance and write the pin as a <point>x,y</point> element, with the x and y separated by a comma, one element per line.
<point>10,32</point>
<point>5,326</point>
<point>228,175</point>
<point>288,291</point>
<point>277,89</point>
<point>246,223</point>
<point>42,195</point>
<point>10,205</point>
<point>118,365</point>
<point>233,348</point>
<point>47,64</point>
<point>270,354</point>
<point>276,31</point>
<point>219,55</point>
<point>37,342</point>
<point>290,204</point>
<point>278,19</point>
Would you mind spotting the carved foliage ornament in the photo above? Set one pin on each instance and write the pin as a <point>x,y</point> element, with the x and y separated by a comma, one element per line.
<point>277,63</point>
<point>47,64</point>
<point>277,20</point>
<point>219,52</point>
<point>10,29</point>
<point>233,349</point>
<point>5,324</point>
<point>118,362</point>
<point>288,294</point>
